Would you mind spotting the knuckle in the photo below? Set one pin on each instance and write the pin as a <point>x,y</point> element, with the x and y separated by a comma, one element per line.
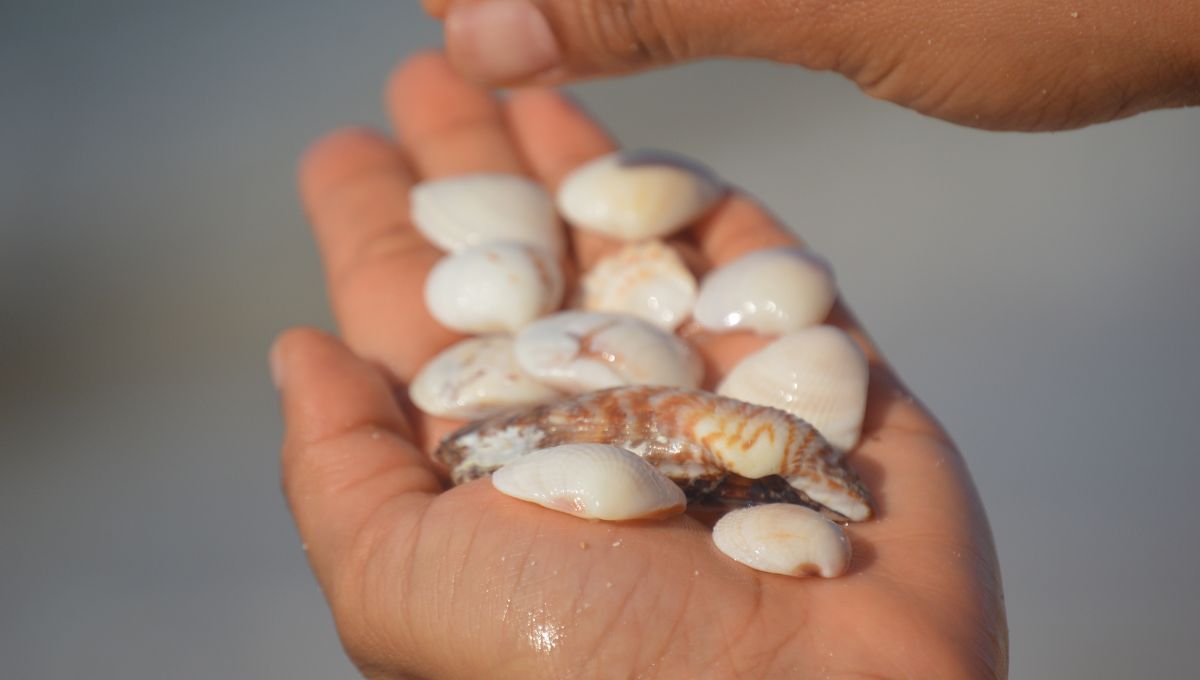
<point>627,32</point>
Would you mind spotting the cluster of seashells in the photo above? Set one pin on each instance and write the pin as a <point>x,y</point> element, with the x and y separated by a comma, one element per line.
<point>596,410</point>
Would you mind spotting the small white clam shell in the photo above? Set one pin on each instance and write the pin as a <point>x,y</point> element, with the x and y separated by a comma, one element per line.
<point>594,481</point>
<point>783,539</point>
<point>584,351</point>
<point>648,280</point>
<point>469,210</point>
<point>818,374</point>
<point>638,194</point>
<point>476,378</point>
<point>495,287</point>
<point>769,291</point>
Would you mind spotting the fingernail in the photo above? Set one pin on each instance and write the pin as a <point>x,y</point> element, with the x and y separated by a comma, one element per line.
<point>275,361</point>
<point>501,40</point>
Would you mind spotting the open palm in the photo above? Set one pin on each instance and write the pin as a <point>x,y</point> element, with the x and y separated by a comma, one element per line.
<point>468,583</point>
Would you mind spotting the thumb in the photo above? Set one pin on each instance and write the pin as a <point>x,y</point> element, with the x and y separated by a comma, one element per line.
<point>508,42</point>
<point>347,450</point>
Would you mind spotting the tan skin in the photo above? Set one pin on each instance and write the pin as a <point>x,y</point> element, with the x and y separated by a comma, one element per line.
<point>467,583</point>
<point>995,64</point>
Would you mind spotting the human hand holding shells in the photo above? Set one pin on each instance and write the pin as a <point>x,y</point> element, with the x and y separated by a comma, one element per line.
<point>429,582</point>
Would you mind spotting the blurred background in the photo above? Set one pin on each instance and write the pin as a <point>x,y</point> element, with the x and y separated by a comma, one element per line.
<point>1040,292</point>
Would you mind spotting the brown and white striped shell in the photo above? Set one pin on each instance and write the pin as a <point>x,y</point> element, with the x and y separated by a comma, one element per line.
<point>718,449</point>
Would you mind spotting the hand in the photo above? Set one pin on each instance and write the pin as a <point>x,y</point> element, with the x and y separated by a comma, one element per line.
<point>1024,65</point>
<point>468,583</point>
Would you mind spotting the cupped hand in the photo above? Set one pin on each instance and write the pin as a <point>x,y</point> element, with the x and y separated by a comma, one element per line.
<point>1000,64</point>
<point>468,583</point>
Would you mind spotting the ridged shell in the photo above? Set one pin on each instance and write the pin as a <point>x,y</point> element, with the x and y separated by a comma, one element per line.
<point>470,210</point>
<point>638,194</point>
<point>819,374</point>
<point>496,287</point>
<point>783,539</point>
<point>475,378</point>
<point>769,291</point>
<point>718,449</point>
<point>594,481</point>
<point>581,351</point>
<point>648,280</point>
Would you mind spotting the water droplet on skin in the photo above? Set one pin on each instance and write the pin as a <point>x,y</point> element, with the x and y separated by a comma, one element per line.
<point>616,543</point>
<point>544,635</point>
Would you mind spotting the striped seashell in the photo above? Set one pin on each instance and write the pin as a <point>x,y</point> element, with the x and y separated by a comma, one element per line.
<point>716,448</point>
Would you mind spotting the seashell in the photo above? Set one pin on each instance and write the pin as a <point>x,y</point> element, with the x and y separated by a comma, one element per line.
<point>718,449</point>
<point>818,374</point>
<point>648,280</point>
<point>475,378</point>
<point>581,351</point>
<point>638,194</point>
<point>593,481</point>
<point>775,290</point>
<point>495,287</point>
<point>471,210</point>
<point>783,539</point>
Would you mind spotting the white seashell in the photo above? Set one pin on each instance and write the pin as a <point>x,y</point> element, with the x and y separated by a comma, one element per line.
<point>638,194</point>
<point>818,374</point>
<point>783,539</point>
<point>594,481</point>
<point>471,210</point>
<point>583,351</point>
<point>769,291</point>
<point>476,378</point>
<point>648,280</point>
<point>496,287</point>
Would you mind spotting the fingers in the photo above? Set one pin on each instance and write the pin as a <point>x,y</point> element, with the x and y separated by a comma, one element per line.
<point>355,187</point>
<point>555,137</point>
<point>346,450</point>
<point>523,41</point>
<point>447,125</point>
